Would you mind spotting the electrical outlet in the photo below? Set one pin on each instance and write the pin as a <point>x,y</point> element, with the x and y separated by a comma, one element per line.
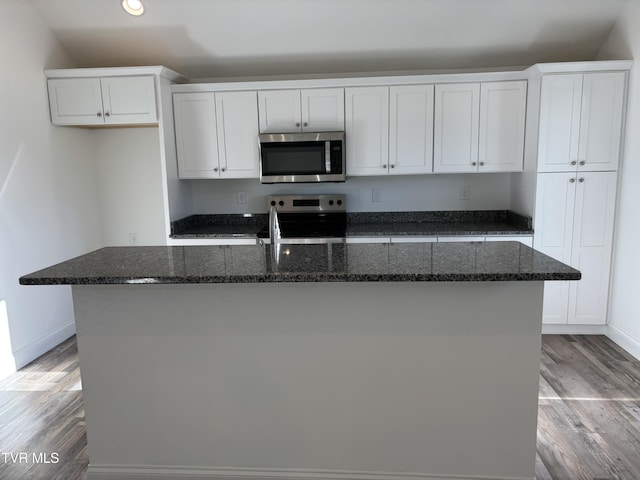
<point>242,197</point>
<point>133,239</point>
<point>375,195</point>
<point>465,192</point>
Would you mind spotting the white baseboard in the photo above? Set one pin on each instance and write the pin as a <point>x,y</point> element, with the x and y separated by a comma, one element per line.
<point>566,329</point>
<point>29,353</point>
<point>147,472</point>
<point>623,340</point>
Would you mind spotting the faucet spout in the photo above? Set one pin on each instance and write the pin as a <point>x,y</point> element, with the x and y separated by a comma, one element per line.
<point>274,231</point>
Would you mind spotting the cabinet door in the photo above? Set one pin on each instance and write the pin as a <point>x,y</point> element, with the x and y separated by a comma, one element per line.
<point>601,121</point>
<point>410,257</point>
<point>457,111</point>
<point>553,227</point>
<point>502,116</point>
<point>237,126</point>
<point>279,111</point>
<point>196,136</point>
<point>560,104</point>
<point>367,130</point>
<point>322,110</point>
<point>591,247</point>
<point>129,100</point>
<point>411,129</point>
<point>75,101</point>
<point>359,258</point>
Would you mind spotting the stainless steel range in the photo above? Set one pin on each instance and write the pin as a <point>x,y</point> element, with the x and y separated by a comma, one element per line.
<point>305,219</point>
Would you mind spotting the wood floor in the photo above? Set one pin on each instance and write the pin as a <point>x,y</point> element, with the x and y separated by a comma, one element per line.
<point>589,410</point>
<point>588,419</point>
<point>41,413</point>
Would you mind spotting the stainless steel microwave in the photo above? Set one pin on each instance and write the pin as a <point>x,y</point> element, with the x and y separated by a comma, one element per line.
<point>302,157</point>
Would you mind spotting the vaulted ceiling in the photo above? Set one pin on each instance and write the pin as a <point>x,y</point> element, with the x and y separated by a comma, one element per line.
<point>230,38</point>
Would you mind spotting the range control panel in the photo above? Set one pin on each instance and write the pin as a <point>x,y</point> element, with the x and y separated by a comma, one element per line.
<point>308,203</point>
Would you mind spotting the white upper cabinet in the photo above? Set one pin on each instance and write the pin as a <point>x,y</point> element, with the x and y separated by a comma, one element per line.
<point>216,134</point>
<point>237,125</point>
<point>457,114</point>
<point>310,110</point>
<point>581,121</point>
<point>480,127</point>
<point>126,100</point>
<point>603,96</point>
<point>196,135</point>
<point>279,111</point>
<point>502,121</point>
<point>75,101</point>
<point>559,124</point>
<point>367,130</point>
<point>322,109</point>
<point>129,100</point>
<point>411,129</point>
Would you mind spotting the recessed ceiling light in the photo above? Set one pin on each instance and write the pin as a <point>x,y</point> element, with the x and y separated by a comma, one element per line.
<point>133,7</point>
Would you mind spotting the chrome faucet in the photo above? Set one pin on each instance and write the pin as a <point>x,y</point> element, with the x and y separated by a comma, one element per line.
<point>274,232</point>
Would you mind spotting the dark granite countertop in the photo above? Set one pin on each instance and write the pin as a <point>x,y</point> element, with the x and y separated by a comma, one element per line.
<point>219,226</point>
<point>424,262</point>
<point>367,224</point>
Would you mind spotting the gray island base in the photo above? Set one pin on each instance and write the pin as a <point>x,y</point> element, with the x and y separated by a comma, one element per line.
<point>317,379</point>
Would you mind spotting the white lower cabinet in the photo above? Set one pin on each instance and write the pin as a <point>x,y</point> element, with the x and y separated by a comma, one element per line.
<point>216,134</point>
<point>573,223</point>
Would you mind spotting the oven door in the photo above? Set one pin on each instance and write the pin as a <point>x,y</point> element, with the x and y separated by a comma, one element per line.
<point>303,157</point>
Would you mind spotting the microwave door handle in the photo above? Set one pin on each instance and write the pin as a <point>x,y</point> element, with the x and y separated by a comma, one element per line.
<point>327,156</point>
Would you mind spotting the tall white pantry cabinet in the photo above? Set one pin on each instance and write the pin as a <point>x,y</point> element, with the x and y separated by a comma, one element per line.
<point>579,143</point>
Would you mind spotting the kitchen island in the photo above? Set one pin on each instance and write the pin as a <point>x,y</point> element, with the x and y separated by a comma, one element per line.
<point>367,361</point>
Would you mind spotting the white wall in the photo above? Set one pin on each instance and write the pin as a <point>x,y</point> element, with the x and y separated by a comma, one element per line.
<point>624,308</point>
<point>130,185</point>
<point>398,193</point>
<point>48,209</point>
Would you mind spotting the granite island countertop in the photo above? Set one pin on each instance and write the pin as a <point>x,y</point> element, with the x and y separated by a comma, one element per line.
<point>367,224</point>
<point>415,262</point>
